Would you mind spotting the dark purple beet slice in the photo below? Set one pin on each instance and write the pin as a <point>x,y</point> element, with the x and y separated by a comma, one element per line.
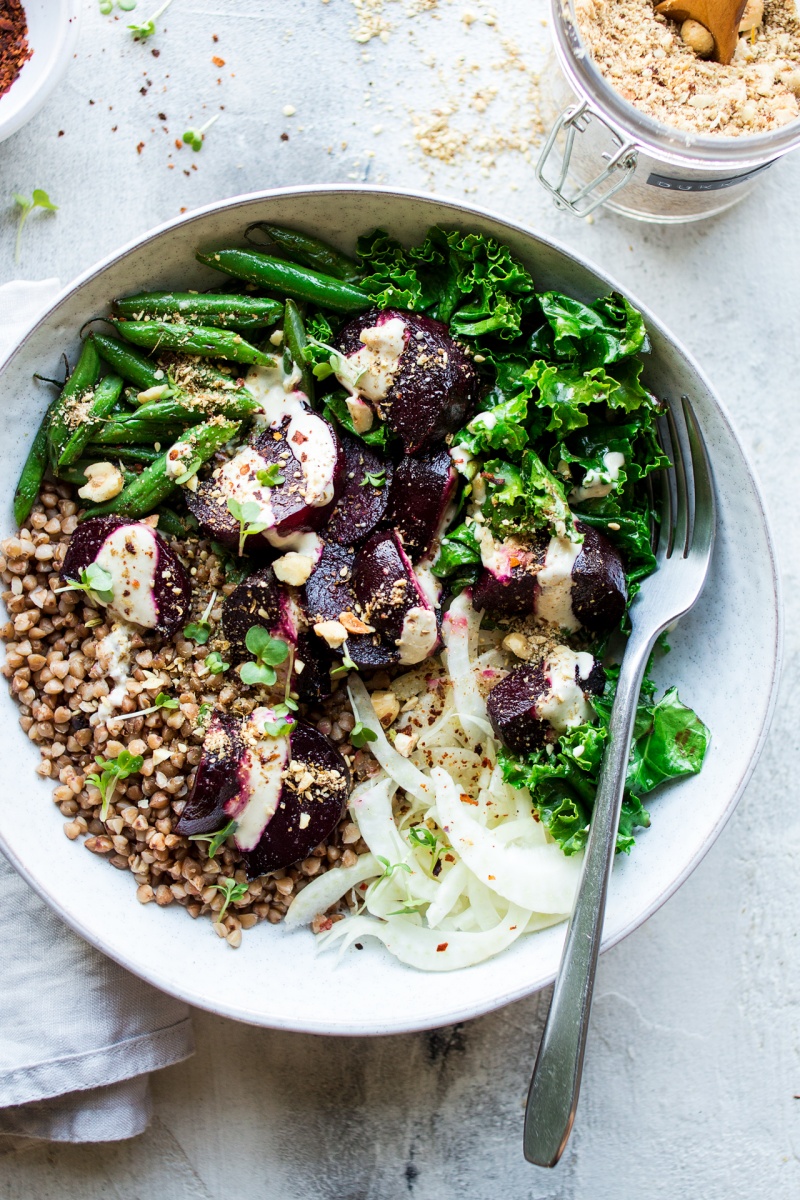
<point>599,590</point>
<point>303,818</point>
<point>361,506</point>
<point>217,780</point>
<point>509,587</point>
<point>421,490</point>
<point>434,388</point>
<point>390,599</point>
<point>329,593</point>
<point>261,599</point>
<point>515,704</point>
<point>291,501</point>
<point>165,606</point>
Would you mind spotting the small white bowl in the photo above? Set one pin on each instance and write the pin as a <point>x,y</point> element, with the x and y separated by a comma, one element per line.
<point>52,35</point>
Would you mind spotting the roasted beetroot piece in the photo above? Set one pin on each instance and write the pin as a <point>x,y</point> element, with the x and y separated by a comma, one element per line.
<point>258,776</point>
<point>217,781</point>
<point>362,504</point>
<point>298,809</point>
<point>149,586</point>
<point>304,457</point>
<point>538,701</point>
<point>329,596</point>
<point>415,376</point>
<point>261,599</point>
<point>421,491</point>
<point>391,600</point>
<point>599,591</point>
<point>508,585</point>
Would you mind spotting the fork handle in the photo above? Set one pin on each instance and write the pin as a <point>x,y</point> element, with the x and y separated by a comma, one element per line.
<point>555,1086</point>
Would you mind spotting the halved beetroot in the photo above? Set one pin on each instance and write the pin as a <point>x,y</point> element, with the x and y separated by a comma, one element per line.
<point>286,793</point>
<point>329,593</point>
<point>540,700</point>
<point>149,584</point>
<point>263,600</point>
<point>306,453</point>
<point>508,585</point>
<point>411,371</point>
<point>391,600</point>
<point>599,589</point>
<point>362,504</point>
<point>421,491</point>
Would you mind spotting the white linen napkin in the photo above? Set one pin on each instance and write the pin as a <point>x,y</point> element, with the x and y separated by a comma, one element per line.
<point>78,1034</point>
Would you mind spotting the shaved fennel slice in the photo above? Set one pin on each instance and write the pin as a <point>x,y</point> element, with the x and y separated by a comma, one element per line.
<point>451,887</point>
<point>372,810</point>
<point>403,772</point>
<point>430,949</point>
<point>460,633</point>
<point>326,889</point>
<point>538,878</point>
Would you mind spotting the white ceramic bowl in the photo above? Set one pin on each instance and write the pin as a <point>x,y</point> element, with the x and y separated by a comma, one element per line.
<point>52,35</point>
<point>725,662</point>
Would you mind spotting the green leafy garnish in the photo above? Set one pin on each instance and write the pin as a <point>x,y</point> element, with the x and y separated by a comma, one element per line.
<point>215,663</point>
<point>360,734</point>
<point>148,27</point>
<point>426,839</point>
<point>39,199</point>
<point>376,478</point>
<point>231,891</point>
<point>200,631</point>
<point>248,515</point>
<point>196,137</point>
<point>95,581</point>
<point>347,665</point>
<point>271,476</point>
<point>113,770</point>
<point>268,652</point>
<point>281,728</point>
<point>459,559</point>
<point>203,713</point>
<point>215,840</point>
<point>390,868</point>
<point>162,700</point>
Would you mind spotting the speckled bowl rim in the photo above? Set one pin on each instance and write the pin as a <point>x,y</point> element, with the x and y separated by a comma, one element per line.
<point>458,1011</point>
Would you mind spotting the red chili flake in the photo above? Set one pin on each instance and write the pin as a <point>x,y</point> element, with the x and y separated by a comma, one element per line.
<point>155,53</point>
<point>217,61</point>
<point>162,116</point>
<point>465,799</point>
<point>178,144</point>
<point>511,928</point>
<point>441,946</point>
<point>214,37</point>
<point>284,137</point>
<point>183,208</point>
<point>140,148</point>
<point>490,876</point>
<point>14,49</point>
<point>61,133</point>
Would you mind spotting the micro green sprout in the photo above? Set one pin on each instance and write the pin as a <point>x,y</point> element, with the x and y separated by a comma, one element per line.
<point>424,838</point>
<point>376,478</point>
<point>203,713</point>
<point>247,515</point>
<point>271,476</point>
<point>215,663</point>
<point>347,372</point>
<point>231,891</point>
<point>95,581</point>
<point>39,199</point>
<point>215,840</point>
<point>196,137</point>
<point>360,735</point>
<point>112,770</point>
<point>162,700</point>
<point>200,631</point>
<point>148,27</point>
<point>268,652</point>
<point>346,665</point>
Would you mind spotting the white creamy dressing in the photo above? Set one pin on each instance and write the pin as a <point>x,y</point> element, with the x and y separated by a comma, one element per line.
<point>237,479</point>
<point>554,600</point>
<point>130,555</point>
<point>429,585</point>
<point>309,544</point>
<point>496,556</point>
<point>270,386</point>
<point>265,759</point>
<point>114,655</point>
<point>598,483</point>
<point>370,372</point>
<point>565,705</point>
<point>418,636</point>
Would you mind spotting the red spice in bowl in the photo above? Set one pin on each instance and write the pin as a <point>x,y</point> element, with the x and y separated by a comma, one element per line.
<point>14,49</point>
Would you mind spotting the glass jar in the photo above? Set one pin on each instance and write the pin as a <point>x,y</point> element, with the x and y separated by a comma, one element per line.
<point>613,154</point>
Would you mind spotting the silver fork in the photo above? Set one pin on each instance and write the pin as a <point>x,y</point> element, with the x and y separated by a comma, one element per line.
<point>685,542</point>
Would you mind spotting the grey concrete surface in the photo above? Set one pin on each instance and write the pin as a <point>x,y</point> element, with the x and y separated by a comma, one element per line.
<point>692,1087</point>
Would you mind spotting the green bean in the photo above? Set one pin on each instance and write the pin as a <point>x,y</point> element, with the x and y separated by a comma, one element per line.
<point>301,283</point>
<point>294,335</point>
<point>225,312</point>
<point>310,251</point>
<point>192,339</point>
<point>105,399</point>
<point>237,405</point>
<point>153,486</point>
<point>30,480</point>
<point>171,524</point>
<point>64,413</point>
<point>154,427</point>
<point>133,367</point>
<point>125,454</point>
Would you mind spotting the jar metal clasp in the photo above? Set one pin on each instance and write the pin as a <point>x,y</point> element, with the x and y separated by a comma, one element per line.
<point>621,163</point>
